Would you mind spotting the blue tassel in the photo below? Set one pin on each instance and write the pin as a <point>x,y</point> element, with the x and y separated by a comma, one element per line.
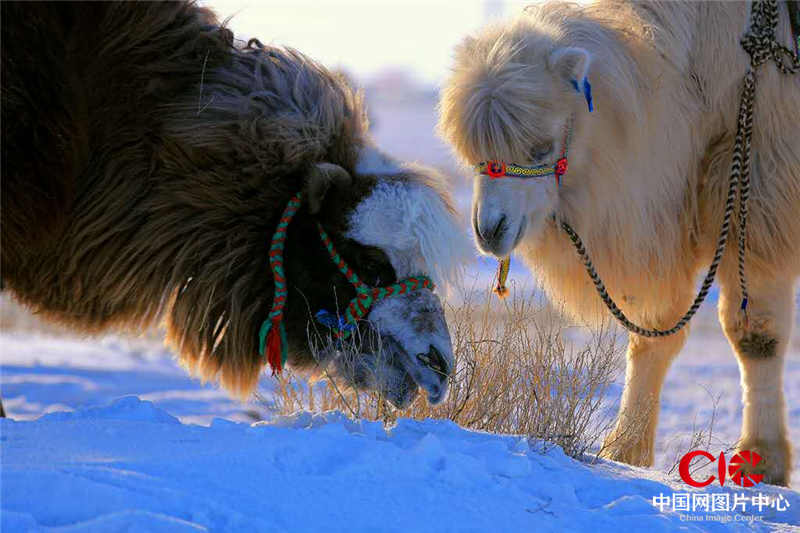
<point>744,304</point>
<point>587,91</point>
<point>330,320</point>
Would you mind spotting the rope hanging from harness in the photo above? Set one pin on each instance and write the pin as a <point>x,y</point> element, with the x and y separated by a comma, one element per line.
<point>761,46</point>
<point>272,335</point>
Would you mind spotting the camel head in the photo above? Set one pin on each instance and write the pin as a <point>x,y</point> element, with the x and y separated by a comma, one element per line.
<point>511,102</point>
<point>388,222</point>
<point>278,124</point>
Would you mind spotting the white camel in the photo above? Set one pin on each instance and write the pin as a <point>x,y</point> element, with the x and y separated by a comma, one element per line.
<point>646,184</point>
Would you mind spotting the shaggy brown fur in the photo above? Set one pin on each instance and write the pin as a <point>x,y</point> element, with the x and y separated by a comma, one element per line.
<point>146,160</point>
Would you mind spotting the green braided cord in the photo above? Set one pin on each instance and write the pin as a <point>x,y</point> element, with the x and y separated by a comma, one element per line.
<point>275,317</point>
<point>340,263</point>
<point>262,336</point>
<point>366,296</point>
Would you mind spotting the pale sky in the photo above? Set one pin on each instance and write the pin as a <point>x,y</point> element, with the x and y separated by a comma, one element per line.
<point>366,37</point>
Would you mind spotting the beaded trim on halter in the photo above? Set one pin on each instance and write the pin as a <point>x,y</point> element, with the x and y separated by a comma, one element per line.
<point>498,169</point>
<point>272,335</point>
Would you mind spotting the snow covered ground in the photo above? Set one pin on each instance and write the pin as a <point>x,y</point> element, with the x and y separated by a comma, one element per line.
<point>130,466</point>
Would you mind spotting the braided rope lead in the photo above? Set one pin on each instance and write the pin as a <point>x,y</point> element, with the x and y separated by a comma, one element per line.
<point>760,44</point>
<point>272,335</point>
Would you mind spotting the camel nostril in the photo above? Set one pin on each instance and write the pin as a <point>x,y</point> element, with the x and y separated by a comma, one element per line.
<point>434,360</point>
<point>489,235</point>
<point>499,229</point>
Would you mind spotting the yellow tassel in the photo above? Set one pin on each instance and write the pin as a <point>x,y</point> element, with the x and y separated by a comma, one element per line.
<point>503,266</point>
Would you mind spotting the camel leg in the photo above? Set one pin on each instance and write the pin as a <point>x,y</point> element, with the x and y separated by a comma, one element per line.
<point>633,437</point>
<point>760,343</point>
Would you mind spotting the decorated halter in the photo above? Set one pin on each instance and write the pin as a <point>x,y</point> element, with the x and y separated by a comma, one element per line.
<point>498,169</point>
<point>272,335</point>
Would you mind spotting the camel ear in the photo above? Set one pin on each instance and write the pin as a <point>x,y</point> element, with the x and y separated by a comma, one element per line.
<point>572,63</point>
<point>320,179</point>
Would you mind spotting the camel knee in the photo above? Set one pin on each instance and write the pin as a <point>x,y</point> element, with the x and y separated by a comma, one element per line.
<point>762,333</point>
<point>754,338</point>
<point>760,340</point>
<point>755,345</point>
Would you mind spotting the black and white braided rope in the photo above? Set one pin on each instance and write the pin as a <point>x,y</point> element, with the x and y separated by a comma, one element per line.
<point>760,42</point>
<point>761,45</point>
<point>742,156</point>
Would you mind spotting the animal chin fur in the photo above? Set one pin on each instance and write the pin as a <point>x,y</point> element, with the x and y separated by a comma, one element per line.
<point>408,216</point>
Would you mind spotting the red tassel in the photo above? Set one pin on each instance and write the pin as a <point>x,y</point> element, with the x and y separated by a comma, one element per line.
<point>501,291</point>
<point>274,346</point>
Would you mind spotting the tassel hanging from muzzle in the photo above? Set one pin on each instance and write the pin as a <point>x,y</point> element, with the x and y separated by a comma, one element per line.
<point>503,266</point>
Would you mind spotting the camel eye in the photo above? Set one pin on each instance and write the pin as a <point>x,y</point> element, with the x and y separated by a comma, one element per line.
<point>538,153</point>
<point>376,268</point>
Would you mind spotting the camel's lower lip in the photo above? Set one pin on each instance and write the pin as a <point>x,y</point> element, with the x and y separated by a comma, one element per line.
<point>434,388</point>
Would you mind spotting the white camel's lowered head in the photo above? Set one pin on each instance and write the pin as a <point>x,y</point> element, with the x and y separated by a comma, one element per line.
<point>513,99</point>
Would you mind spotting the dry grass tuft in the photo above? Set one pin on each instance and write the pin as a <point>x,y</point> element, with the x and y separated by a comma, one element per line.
<point>516,372</point>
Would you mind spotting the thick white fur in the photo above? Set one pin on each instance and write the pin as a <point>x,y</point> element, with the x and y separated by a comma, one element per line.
<point>410,220</point>
<point>647,180</point>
